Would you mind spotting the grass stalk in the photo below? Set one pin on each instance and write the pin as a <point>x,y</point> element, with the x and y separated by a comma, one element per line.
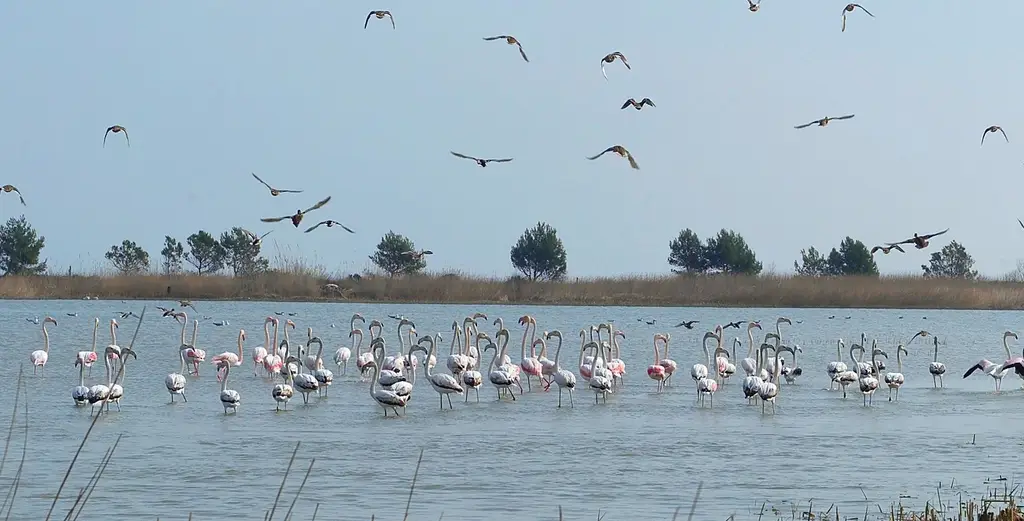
<point>412,487</point>
<point>288,514</point>
<point>280,489</point>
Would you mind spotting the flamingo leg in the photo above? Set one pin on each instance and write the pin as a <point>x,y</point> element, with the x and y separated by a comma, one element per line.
<point>450,406</point>
<point>571,404</point>
<point>477,390</point>
<point>528,384</point>
<point>559,396</point>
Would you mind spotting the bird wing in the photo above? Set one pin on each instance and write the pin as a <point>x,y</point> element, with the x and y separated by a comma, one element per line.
<point>506,160</point>
<point>844,21</point>
<point>808,124</point>
<point>605,74</point>
<point>632,162</point>
<point>897,246</point>
<point>426,252</point>
<point>978,366</point>
<point>249,234</point>
<point>609,149</point>
<point>522,52</point>
<point>1021,223</point>
<point>275,219</point>
<point>490,38</point>
<point>623,58</point>
<point>1004,134</point>
<point>983,133</point>
<point>105,136</point>
<point>908,241</point>
<point>315,226</point>
<point>265,234</point>
<point>935,234</point>
<point>865,10</point>
<point>848,116</point>
<point>628,102</point>
<point>346,228</point>
<point>318,205</point>
<point>392,18</point>
<point>367,20</point>
<point>129,141</point>
<point>876,248</point>
<point>463,156</point>
<point>262,181</point>
<point>290,191</point>
<point>647,101</point>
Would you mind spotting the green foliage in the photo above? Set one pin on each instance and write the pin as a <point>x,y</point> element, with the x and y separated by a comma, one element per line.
<point>20,247</point>
<point>205,254</point>
<point>726,252</point>
<point>852,258</point>
<point>952,261</point>
<point>686,253</point>
<point>812,263</point>
<point>241,255</point>
<point>539,253</point>
<point>391,255</point>
<point>128,257</point>
<point>172,253</point>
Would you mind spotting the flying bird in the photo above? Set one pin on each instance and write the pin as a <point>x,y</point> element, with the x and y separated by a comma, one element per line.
<point>849,9</point>
<point>754,7</point>
<point>12,188</point>
<point>638,106</point>
<point>417,255</point>
<point>823,121</point>
<point>511,41</point>
<point>481,162</point>
<point>297,217</point>
<point>886,249</point>
<point>993,129</point>
<point>187,304</point>
<point>919,241</point>
<point>610,58</point>
<point>274,191</point>
<point>736,324</point>
<point>688,325</point>
<point>255,239</point>
<point>329,223</point>
<point>380,16</point>
<point>167,312</point>
<point>620,150</point>
<point>115,129</point>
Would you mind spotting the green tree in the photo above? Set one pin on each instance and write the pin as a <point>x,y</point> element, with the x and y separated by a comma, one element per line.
<point>812,263</point>
<point>392,255</point>
<point>241,255</point>
<point>20,247</point>
<point>856,259</point>
<point>686,253</point>
<point>205,254</point>
<point>952,261</point>
<point>539,253</point>
<point>728,252</point>
<point>128,257</point>
<point>172,253</point>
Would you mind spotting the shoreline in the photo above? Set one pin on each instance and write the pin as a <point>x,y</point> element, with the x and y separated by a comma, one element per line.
<point>865,292</point>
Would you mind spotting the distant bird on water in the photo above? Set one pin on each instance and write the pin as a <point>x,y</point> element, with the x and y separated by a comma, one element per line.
<point>823,121</point>
<point>886,249</point>
<point>380,16</point>
<point>329,223</point>
<point>417,255</point>
<point>297,217</point>
<point>688,325</point>
<point>609,58</point>
<point>919,241</point>
<point>849,9</point>
<point>274,191</point>
<point>640,105</point>
<point>115,129</point>
<point>11,188</point>
<point>255,239</point>
<point>993,129</point>
<point>753,7</point>
<point>481,162</point>
<point>620,150</point>
<point>511,40</point>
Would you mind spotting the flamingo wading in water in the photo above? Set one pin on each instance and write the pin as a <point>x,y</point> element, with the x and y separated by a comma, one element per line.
<point>39,356</point>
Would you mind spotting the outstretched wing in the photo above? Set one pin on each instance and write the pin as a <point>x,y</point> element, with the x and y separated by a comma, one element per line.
<point>897,246</point>
<point>647,101</point>
<point>262,181</point>
<point>523,53</point>
<point>315,226</point>
<point>290,191</point>
<point>609,149</point>
<point>908,241</point>
<point>318,205</point>
<point>865,10</point>
<point>1021,223</point>
<point>936,234</point>
<point>129,141</point>
<point>844,117</point>
<point>632,162</point>
<point>876,248</point>
<point>365,23</point>
<point>623,58</point>
<point>392,18</point>
<point>252,236</point>
<point>265,234</point>
<point>463,156</point>
<point>165,310</point>
<point>605,74</point>
<point>1000,129</point>
<point>105,136</point>
<point>275,219</point>
<point>976,367</point>
<point>490,38</point>
<point>506,160</point>
<point>805,125</point>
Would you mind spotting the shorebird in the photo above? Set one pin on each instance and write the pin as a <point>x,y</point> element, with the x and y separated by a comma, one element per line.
<point>511,40</point>
<point>849,9</point>
<point>12,188</point>
<point>638,106</point>
<point>610,58</point>
<point>274,191</point>
<point>688,325</point>
<point>620,150</point>
<point>481,162</point>
<point>329,223</point>
<point>886,249</point>
<point>753,7</point>
<point>255,239</point>
<point>380,16</point>
<point>297,217</point>
<point>823,121</point>
<point>994,128</point>
<point>919,241</point>
<point>417,255</point>
<point>115,129</point>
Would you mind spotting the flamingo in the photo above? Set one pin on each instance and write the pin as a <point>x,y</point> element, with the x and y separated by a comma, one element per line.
<point>869,384</point>
<point>615,364</point>
<point>895,380</point>
<point>505,363</point>
<point>309,360</point>
<point>342,355</point>
<point>471,377</point>
<point>175,382</point>
<point>600,381</point>
<point>385,398</point>
<point>287,323</point>
<point>723,361</point>
<point>656,371</point>
<point>752,382</point>
<point>402,388</point>
<point>668,363</point>
<point>997,372</point>
<point>749,364</point>
<point>396,362</point>
<point>87,358</point>
<point>229,398</point>
<point>387,377</point>
<point>273,361</point>
<point>769,391</point>
<point>99,392</point>
<point>228,356</point>
<point>193,354</point>
<point>260,352</point>
<point>847,377</point>
<point>80,393</point>
<point>936,368</point>
<point>707,386</point>
<point>363,360</point>
<point>39,356</point>
<point>302,381</point>
<point>116,390</point>
<point>834,368</point>
<point>444,384</point>
<point>498,375</point>
<point>113,337</point>
<point>529,364</point>
<point>289,367</point>
<point>323,376</point>
<point>563,378</point>
<point>700,371</point>
<point>457,363</point>
<point>584,361</point>
<point>283,392</point>
<point>793,371</point>
<point>547,366</point>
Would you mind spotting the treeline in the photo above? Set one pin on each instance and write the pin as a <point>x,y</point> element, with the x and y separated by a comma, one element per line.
<point>538,255</point>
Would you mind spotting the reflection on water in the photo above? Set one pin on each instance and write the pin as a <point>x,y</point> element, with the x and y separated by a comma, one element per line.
<point>637,457</point>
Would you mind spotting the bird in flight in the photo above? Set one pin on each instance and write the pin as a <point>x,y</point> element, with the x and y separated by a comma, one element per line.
<point>12,188</point>
<point>610,58</point>
<point>753,7</point>
<point>511,41</point>
<point>620,150</point>
<point>380,16</point>
<point>329,223</point>
<point>823,121</point>
<point>417,255</point>
<point>886,249</point>
<point>115,129</point>
<point>734,324</point>
<point>254,239</point>
<point>168,312</point>
<point>638,106</point>
<point>481,162</point>
<point>688,325</point>
<point>297,217</point>
<point>849,9</point>
<point>187,304</point>
<point>274,191</point>
<point>919,241</point>
<point>993,129</point>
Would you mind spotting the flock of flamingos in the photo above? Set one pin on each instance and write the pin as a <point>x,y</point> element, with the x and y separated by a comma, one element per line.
<point>392,374</point>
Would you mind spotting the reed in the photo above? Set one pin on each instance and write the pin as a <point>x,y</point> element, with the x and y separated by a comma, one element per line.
<point>304,283</point>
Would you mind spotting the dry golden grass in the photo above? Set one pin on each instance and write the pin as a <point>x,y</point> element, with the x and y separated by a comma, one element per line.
<point>300,283</point>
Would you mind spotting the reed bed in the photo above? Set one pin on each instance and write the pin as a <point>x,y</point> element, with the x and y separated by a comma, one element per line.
<point>299,284</point>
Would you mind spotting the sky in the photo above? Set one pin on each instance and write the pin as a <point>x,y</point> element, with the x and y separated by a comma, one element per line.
<point>302,95</point>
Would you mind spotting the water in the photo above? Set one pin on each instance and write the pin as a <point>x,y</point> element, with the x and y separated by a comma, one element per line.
<point>638,457</point>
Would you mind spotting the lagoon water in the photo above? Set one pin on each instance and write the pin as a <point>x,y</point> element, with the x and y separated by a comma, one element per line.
<point>637,457</point>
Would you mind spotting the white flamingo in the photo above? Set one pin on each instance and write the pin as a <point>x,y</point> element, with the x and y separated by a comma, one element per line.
<point>363,360</point>
<point>749,364</point>
<point>343,354</point>
<point>457,362</point>
<point>707,386</point>
<point>443,384</point>
<point>895,380</point>
<point>260,352</point>
<point>99,392</point>
<point>868,383</point>
<point>498,375</point>
<point>303,381</point>
<point>280,350</point>
<point>997,371</point>
<point>283,392</point>
<point>175,382</point>
<point>471,376</point>
<point>387,377</point>
<point>936,368</point>
<point>116,389</point>
<point>39,356</point>
<point>385,398</point>
<point>87,358</point>
<point>700,371</point>
<point>849,376</point>
<point>80,393</point>
<point>600,381</point>
<point>229,398</point>
<point>769,391</point>
<point>229,357</point>
<point>563,378</point>
<point>837,366</point>
<point>323,376</point>
<point>752,382</point>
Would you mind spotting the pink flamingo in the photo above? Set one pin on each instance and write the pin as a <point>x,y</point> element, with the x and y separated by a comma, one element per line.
<point>656,371</point>
<point>273,362</point>
<point>87,358</point>
<point>39,356</point>
<point>364,361</point>
<point>193,354</point>
<point>530,364</point>
<point>260,352</point>
<point>668,363</point>
<point>616,365</point>
<point>586,361</point>
<point>228,357</point>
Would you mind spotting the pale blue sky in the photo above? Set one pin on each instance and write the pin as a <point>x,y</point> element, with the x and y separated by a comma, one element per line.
<point>300,94</point>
